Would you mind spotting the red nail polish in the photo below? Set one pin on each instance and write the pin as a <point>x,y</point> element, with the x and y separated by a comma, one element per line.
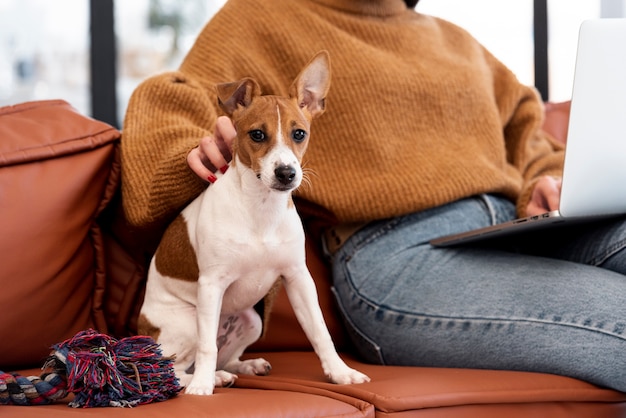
<point>211,178</point>
<point>224,169</point>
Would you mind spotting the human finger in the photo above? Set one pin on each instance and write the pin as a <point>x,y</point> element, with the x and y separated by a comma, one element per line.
<point>211,155</point>
<point>198,166</point>
<point>225,134</point>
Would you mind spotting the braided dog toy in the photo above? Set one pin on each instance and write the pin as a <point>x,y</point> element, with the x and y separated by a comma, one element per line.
<point>100,371</point>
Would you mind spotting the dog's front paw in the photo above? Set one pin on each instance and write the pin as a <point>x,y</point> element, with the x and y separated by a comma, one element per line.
<point>348,376</point>
<point>223,379</point>
<point>199,388</point>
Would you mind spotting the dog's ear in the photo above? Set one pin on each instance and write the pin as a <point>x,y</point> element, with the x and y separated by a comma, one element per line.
<point>312,84</point>
<point>239,93</point>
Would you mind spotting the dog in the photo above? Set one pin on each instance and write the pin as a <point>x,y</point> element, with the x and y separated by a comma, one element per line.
<point>229,246</point>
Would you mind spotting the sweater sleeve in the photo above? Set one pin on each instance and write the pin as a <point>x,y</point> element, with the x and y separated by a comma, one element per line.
<point>530,151</point>
<point>167,116</point>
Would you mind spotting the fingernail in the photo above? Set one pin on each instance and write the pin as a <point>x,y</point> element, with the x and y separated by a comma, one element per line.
<point>211,178</point>
<point>224,169</point>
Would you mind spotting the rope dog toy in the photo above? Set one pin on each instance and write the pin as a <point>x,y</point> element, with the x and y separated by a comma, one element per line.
<point>100,371</point>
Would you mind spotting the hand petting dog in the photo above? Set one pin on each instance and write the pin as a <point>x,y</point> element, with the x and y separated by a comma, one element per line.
<point>214,152</point>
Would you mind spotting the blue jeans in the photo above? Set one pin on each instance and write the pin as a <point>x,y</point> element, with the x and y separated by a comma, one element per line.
<point>553,304</point>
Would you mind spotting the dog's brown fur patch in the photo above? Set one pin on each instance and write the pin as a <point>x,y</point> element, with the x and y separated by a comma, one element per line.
<point>175,256</point>
<point>145,327</point>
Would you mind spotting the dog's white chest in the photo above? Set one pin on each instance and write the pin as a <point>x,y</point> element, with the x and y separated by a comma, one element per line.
<point>258,264</point>
<point>244,249</point>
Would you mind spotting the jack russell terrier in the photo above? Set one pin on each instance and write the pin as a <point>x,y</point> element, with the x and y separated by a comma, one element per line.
<point>229,246</point>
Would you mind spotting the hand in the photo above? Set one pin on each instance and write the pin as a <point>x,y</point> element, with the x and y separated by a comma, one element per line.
<point>214,152</point>
<point>545,196</point>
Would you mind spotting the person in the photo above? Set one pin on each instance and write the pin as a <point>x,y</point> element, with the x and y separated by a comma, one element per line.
<point>426,133</point>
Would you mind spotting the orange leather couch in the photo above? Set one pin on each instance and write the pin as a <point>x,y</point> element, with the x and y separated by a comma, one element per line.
<point>69,263</point>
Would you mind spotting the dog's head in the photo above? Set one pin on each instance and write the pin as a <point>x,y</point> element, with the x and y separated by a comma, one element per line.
<point>273,131</point>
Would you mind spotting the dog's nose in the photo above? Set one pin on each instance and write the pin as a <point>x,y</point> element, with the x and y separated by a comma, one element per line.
<point>285,174</point>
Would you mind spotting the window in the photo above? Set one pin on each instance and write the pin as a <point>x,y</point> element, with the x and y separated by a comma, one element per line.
<point>45,45</point>
<point>153,36</point>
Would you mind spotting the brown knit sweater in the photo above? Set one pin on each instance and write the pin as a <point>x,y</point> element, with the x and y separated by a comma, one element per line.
<point>419,114</point>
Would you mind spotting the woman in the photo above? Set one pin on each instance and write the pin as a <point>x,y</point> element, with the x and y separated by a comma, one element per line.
<point>425,134</point>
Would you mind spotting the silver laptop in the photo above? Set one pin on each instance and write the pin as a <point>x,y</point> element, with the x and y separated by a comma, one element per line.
<point>594,172</point>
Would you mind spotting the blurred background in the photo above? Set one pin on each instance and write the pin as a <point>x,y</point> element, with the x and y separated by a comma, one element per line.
<point>46,46</point>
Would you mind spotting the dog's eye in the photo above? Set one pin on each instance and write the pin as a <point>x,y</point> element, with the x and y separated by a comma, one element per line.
<point>298,135</point>
<point>257,135</point>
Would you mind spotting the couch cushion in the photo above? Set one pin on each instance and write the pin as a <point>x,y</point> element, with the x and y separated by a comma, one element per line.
<point>57,173</point>
<point>438,392</point>
<point>225,402</point>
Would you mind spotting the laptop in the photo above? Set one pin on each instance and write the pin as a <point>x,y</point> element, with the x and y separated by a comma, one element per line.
<point>594,171</point>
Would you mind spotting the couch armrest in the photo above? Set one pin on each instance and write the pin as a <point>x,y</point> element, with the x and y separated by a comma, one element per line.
<point>557,120</point>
